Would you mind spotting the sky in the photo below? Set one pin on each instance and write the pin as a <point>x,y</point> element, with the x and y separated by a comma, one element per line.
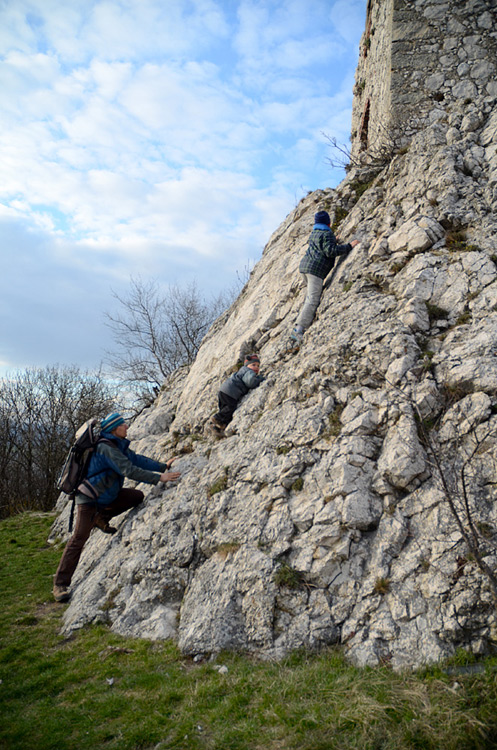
<point>154,139</point>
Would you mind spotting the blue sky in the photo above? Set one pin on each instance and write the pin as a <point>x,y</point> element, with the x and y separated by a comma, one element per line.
<point>165,139</point>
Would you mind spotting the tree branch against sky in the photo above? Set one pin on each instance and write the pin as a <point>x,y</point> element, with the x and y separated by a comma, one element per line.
<point>157,330</point>
<point>40,410</point>
<point>165,139</point>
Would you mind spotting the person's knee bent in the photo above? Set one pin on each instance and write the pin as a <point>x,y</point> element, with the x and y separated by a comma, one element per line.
<point>139,498</point>
<point>127,498</point>
<point>130,497</point>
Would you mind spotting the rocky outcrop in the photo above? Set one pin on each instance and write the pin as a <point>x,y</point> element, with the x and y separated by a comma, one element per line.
<point>327,513</point>
<point>321,518</point>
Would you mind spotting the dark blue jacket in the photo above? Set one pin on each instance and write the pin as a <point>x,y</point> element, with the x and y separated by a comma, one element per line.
<point>321,252</point>
<point>110,463</point>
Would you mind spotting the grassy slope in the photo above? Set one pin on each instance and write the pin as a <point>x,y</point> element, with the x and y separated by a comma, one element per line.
<point>98,690</point>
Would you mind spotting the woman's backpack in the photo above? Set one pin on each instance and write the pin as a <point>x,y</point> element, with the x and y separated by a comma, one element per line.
<point>76,464</point>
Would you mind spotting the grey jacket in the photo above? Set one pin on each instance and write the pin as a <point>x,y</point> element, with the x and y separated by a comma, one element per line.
<point>241,382</point>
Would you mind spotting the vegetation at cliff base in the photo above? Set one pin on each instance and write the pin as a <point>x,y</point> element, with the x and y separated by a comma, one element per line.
<point>99,690</point>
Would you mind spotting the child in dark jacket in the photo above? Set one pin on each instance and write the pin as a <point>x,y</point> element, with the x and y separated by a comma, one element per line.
<point>233,389</point>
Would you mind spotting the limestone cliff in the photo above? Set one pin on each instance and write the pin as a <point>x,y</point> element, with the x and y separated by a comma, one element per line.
<point>323,517</point>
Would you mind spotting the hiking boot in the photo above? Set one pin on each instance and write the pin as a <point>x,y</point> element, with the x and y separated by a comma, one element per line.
<point>218,426</point>
<point>61,593</point>
<point>102,523</point>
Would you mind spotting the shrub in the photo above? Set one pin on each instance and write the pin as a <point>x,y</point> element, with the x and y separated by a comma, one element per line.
<point>382,586</point>
<point>289,577</point>
<point>465,317</point>
<point>334,424</point>
<point>435,312</point>
<point>227,548</point>
<point>360,188</point>
<point>340,214</point>
<point>456,241</point>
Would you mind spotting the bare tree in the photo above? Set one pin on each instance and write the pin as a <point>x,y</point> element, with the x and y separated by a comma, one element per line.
<point>40,410</point>
<point>458,476</point>
<point>375,157</point>
<point>156,332</point>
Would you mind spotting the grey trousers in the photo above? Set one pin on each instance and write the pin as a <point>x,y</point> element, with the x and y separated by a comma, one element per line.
<point>314,290</point>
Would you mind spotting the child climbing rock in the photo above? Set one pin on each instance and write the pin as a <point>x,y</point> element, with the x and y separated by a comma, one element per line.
<point>233,389</point>
<point>316,264</point>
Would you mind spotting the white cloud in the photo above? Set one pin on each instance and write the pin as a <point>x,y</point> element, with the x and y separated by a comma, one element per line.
<point>83,29</point>
<point>166,97</point>
<point>138,135</point>
<point>282,36</point>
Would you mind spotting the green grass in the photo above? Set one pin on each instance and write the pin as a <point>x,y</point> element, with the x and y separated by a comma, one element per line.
<point>55,693</point>
<point>287,576</point>
<point>219,485</point>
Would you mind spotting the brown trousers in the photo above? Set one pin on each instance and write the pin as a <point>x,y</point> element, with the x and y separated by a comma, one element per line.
<point>85,522</point>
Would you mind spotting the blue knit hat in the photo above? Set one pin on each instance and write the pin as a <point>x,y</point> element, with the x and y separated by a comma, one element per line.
<point>322,217</point>
<point>111,421</point>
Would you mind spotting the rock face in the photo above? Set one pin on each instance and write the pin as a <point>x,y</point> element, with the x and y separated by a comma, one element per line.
<point>417,56</point>
<point>324,515</point>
